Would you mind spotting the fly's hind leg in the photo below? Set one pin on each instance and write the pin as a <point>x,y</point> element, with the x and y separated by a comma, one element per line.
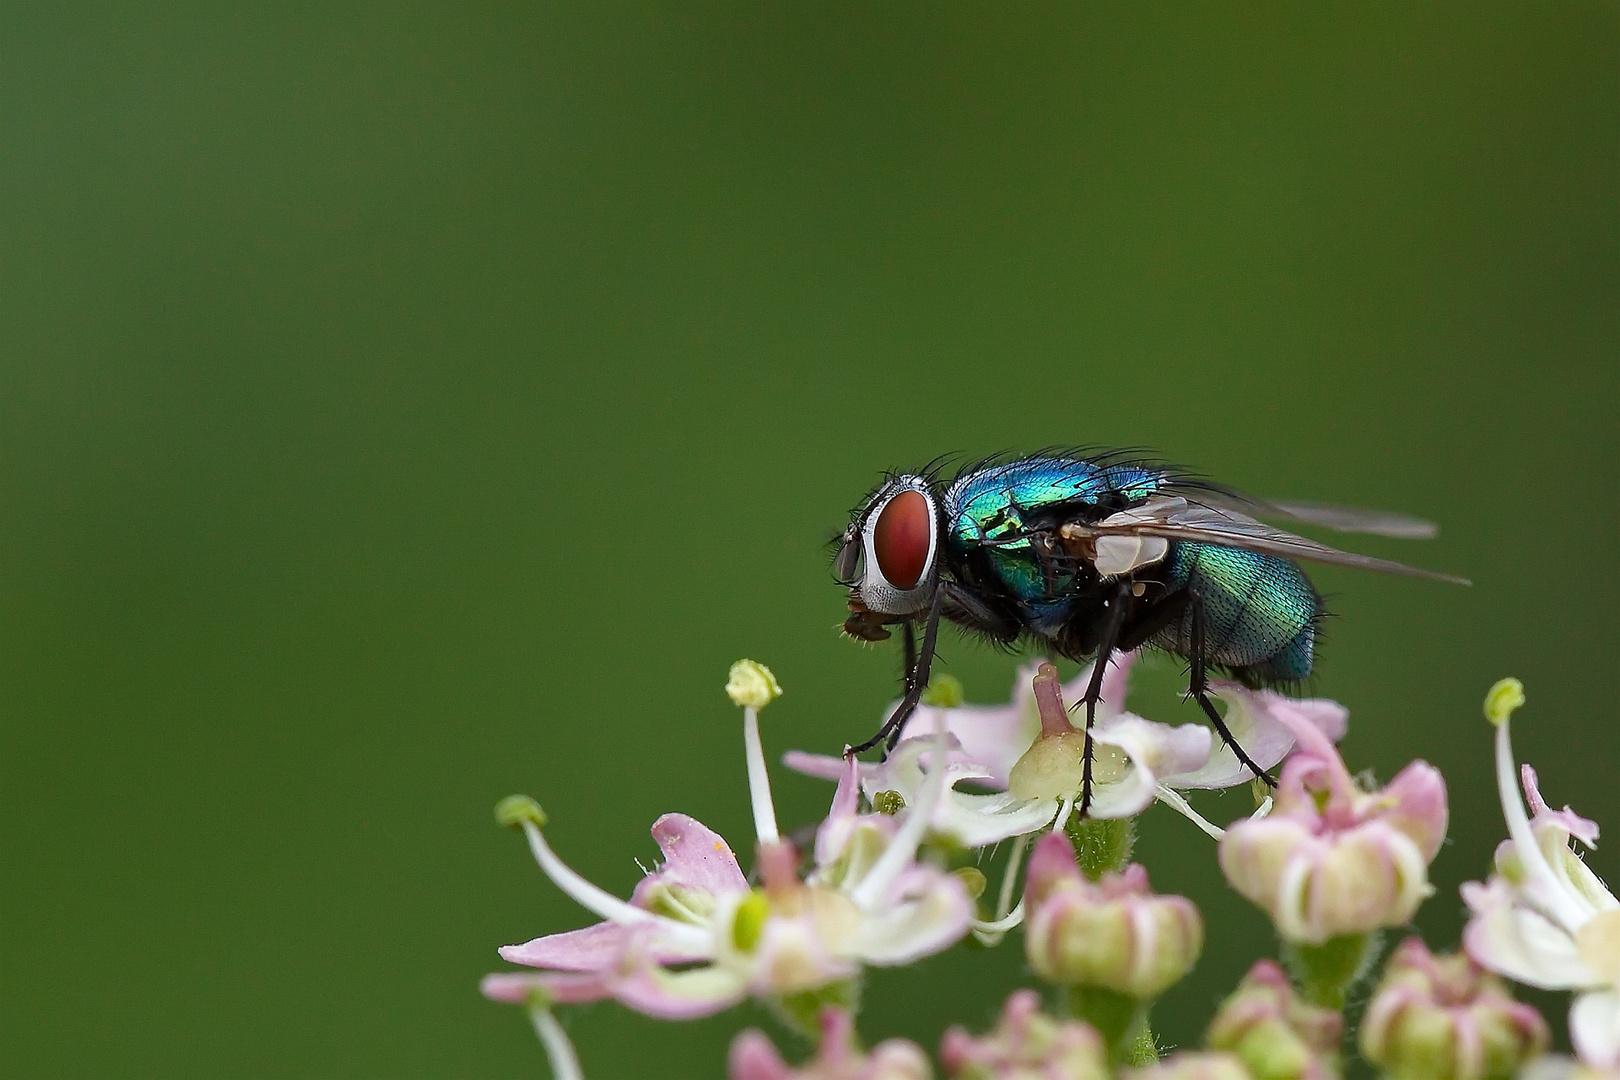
<point>1199,688</point>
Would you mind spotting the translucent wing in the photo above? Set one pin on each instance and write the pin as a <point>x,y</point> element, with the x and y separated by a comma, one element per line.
<point>1179,519</point>
<point>1348,519</point>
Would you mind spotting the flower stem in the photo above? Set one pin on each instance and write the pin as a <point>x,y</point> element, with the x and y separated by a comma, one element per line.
<point>559,1050</point>
<point>1101,845</point>
<point>1326,973</point>
<point>1120,1019</point>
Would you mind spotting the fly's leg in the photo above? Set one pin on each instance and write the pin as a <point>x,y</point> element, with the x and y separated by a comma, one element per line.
<point>1199,688</point>
<point>915,683</point>
<point>909,636</point>
<point>1105,646</point>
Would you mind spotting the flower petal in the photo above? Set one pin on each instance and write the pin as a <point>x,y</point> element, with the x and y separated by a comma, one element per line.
<point>593,948</point>
<point>1519,942</point>
<point>1583,829</point>
<point>1255,720</point>
<point>932,914</point>
<point>515,987</point>
<point>1154,749</point>
<point>695,856</point>
<point>1594,1029</point>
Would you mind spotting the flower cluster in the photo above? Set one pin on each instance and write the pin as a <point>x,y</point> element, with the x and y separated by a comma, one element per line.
<point>888,879</point>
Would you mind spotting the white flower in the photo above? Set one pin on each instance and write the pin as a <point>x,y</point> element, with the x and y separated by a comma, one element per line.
<point>1544,919</point>
<point>867,901</point>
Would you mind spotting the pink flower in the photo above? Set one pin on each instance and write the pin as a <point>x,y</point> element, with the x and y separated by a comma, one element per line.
<point>867,901</point>
<point>1445,1016</point>
<point>1544,919</point>
<point>754,1057</point>
<point>1332,859</point>
<point>1026,1045</point>
<point>1115,934</point>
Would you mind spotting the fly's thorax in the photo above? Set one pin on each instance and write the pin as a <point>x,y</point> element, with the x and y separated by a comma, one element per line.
<point>890,551</point>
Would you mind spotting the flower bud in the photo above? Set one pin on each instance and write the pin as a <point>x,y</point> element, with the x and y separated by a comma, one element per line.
<point>1025,1045</point>
<point>1115,934</point>
<point>1443,1017</point>
<point>1332,860</point>
<point>753,1057</point>
<point>752,684</point>
<point>1277,1036</point>
<point>1192,1065</point>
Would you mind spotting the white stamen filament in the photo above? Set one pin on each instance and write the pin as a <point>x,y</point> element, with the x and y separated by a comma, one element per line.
<point>903,848</point>
<point>601,902</point>
<point>1546,888</point>
<point>560,1051</point>
<point>1063,813</point>
<point>994,930</point>
<point>759,781</point>
<point>1174,800</point>
<point>987,932</point>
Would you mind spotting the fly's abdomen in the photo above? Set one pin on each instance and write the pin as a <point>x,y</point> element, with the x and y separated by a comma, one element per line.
<point>1260,612</point>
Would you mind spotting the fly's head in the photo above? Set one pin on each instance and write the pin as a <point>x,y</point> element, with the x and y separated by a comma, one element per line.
<point>888,557</point>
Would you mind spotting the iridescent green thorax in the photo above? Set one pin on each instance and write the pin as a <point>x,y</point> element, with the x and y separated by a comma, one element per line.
<point>1002,501</point>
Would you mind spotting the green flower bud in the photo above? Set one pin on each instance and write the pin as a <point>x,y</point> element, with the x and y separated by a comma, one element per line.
<point>1274,1033</point>
<point>1445,1018</point>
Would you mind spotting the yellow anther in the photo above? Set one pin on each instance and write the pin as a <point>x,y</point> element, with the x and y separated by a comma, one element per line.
<point>752,684</point>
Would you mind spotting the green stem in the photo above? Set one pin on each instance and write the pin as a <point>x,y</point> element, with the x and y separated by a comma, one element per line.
<point>1120,1019</point>
<point>1326,973</point>
<point>802,1011</point>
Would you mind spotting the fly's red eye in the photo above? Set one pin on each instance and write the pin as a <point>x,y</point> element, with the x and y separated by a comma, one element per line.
<point>901,538</point>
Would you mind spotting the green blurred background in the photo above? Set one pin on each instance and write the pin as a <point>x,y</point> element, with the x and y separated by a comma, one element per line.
<point>405,405</point>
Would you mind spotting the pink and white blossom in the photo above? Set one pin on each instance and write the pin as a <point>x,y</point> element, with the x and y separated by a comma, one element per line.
<point>1115,933</point>
<point>1026,1045</point>
<point>1333,859</point>
<point>1544,918</point>
<point>867,901</point>
<point>1136,760</point>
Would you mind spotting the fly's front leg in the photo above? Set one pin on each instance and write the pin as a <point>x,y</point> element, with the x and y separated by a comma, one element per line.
<point>909,637</point>
<point>1108,640</point>
<point>1199,688</point>
<point>915,684</point>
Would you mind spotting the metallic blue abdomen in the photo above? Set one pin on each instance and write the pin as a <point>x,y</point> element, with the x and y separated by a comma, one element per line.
<point>1260,612</point>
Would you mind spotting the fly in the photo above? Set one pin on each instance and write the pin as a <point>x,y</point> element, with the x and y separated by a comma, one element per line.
<point>1087,555</point>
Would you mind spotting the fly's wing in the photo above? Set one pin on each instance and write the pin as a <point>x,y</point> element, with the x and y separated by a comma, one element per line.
<point>1179,519</point>
<point>1347,519</point>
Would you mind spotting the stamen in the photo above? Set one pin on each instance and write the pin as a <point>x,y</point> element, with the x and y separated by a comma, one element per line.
<point>1174,800</point>
<point>559,1050</point>
<point>1546,886</point>
<point>601,902</point>
<point>994,930</point>
<point>903,848</point>
<point>759,781</point>
<point>985,931</point>
<point>1063,813</point>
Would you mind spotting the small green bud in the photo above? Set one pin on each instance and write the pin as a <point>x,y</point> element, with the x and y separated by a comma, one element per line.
<point>1503,697</point>
<point>752,684</point>
<point>944,692</point>
<point>514,810</point>
<point>973,879</point>
<point>749,923</point>
<point>888,802</point>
